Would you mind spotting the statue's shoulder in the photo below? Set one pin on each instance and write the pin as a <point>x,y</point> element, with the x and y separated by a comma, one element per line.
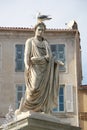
<point>29,40</point>
<point>46,42</point>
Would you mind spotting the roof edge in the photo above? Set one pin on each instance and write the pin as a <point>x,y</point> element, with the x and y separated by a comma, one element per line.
<point>32,29</point>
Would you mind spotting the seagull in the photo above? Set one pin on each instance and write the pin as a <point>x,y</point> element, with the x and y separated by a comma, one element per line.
<point>41,18</point>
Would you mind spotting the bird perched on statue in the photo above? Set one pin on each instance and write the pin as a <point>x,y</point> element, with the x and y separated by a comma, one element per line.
<point>41,18</point>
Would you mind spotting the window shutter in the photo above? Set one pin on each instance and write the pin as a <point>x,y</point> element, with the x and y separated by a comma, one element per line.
<point>69,98</point>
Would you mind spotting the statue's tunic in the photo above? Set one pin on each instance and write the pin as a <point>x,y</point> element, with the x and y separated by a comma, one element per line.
<point>41,77</point>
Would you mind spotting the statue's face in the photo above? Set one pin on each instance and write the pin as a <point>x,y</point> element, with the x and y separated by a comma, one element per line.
<point>40,31</point>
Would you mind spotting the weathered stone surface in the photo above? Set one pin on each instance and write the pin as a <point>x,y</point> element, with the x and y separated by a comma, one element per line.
<point>38,121</point>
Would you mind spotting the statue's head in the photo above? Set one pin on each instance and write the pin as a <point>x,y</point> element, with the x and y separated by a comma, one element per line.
<point>40,25</point>
<point>40,29</point>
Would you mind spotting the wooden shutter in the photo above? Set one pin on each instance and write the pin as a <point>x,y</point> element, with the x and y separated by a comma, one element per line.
<point>69,98</point>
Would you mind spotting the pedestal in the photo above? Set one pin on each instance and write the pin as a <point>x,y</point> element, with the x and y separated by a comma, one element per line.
<point>38,121</point>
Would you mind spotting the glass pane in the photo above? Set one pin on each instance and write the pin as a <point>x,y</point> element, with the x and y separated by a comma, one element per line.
<point>61,99</point>
<point>19,65</point>
<point>61,47</point>
<point>53,48</point>
<point>55,109</point>
<point>61,107</point>
<point>19,51</point>
<point>19,47</point>
<point>19,96</point>
<point>19,55</point>
<point>61,56</point>
<point>61,91</point>
<point>19,88</point>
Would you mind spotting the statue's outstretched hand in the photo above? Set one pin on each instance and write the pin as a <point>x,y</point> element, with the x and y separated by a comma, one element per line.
<point>59,62</point>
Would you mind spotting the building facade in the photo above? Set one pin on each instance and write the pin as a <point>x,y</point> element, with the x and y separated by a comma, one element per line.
<point>65,45</point>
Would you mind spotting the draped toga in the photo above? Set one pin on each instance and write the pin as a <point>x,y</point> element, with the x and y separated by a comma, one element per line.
<point>42,77</point>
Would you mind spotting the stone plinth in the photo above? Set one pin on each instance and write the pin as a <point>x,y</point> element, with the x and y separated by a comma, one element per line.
<point>38,121</point>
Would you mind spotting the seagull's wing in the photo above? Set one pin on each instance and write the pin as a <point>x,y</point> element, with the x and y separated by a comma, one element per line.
<point>41,18</point>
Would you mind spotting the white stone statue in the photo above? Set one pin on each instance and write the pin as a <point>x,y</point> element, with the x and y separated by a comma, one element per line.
<point>41,74</point>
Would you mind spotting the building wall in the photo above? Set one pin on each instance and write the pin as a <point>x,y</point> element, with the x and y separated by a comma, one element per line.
<point>83,107</point>
<point>9,78</point>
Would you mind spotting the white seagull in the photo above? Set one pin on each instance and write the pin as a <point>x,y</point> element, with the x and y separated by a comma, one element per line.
<point>41,18</point>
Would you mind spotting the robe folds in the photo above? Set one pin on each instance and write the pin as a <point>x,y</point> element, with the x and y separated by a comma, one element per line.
<point>41,78</point>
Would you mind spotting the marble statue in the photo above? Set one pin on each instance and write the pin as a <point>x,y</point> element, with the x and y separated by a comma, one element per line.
<point>41,74</point>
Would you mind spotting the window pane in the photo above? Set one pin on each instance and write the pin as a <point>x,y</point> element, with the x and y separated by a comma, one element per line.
<point>19,88</point>
<point>58,51</point>
<point>18,51</point>
<point>61,99</point>
<point>20,91</point>
<point>61,107</point>
<point>19,96</point>
<point>61,47</point>
<point>19,58</point>
<point>61,56</point>
<point>19,55</point>
<point>55,109</point>
<point>61,91</point>
<point>53,48</point>
<point>19,65</point>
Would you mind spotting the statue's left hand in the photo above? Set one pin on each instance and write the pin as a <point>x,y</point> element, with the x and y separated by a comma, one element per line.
<point>47,57</point>
<point>59,62</point>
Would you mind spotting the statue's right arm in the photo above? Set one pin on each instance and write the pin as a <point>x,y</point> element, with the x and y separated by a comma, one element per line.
<point>27,53</point>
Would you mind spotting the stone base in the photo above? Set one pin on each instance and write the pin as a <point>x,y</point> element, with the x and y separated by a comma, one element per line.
<point>38,121</point>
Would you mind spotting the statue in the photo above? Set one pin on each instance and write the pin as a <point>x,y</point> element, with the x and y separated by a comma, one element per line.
<point>41,74</point>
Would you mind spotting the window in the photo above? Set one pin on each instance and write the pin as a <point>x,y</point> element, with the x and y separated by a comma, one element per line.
<point>58,51</point>
<point>20,91</point>
<point>19,57</point>
<point>61,98</point>
<point>60,107</point>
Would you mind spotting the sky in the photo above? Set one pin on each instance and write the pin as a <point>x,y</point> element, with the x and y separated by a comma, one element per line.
<point>22,13</point>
